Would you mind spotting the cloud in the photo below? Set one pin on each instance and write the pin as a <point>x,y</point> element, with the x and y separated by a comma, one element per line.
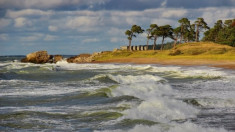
<point>174,13</point>
<point>151,4</point>
<point>50,38</point>
<point>82,21</point>
<point>114,40</point>
<point>4,37</point>
<point>28,12</point>
<point>120,5</point>
<point>101,28</point>
<point>49,4</point>
<point>90,40</point>
<point>52,28</point>
<point>211,15</point>
<point>34,37</point>
<point>21,22</point>
<point>115,31</point>
<point>200,3</point>
<point>4,22</point>
<point>164,3</point>
<point>114,22</point>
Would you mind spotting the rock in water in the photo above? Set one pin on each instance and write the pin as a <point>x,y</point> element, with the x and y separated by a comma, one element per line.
<point>82,58</point>
<point>38,57</point>
<point>57,58</point>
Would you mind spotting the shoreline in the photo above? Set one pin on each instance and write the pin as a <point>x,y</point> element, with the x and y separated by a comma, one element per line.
<point>226,64</point>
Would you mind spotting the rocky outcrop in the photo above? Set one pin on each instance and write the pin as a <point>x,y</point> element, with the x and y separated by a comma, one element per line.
<point>82,58</point>
<point>57,58</point>
<point>38,57</point>
<point>41,57</point>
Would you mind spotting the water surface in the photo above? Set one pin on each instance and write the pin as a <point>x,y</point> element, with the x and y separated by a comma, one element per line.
<point>115,97</point>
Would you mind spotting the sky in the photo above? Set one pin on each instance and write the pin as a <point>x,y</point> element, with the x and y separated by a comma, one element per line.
<point>71,27</point>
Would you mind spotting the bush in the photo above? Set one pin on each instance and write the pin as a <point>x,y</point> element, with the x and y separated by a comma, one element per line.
<point>195,51</point>
<point>175,52</point>
<point>218,51</point>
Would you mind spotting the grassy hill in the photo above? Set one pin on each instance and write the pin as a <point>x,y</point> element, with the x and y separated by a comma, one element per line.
<point>194,50</point>
<point>202,48</point>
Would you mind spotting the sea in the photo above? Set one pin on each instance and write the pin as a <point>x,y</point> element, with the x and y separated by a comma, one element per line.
<point>66,97</point>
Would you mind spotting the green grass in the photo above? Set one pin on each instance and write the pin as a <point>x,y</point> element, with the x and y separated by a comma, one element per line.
<point>195,50</point>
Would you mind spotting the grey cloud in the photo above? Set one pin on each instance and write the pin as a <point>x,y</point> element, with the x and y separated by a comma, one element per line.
<point>4,22</point>
<point>28,12</point>
<point>200,3</point>
<point>111,4</point>
<point>147,4</point>
<point>133,4</point>
<point>50,4</point>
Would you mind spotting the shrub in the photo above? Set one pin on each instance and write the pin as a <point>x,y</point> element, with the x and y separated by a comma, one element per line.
<point>175,52</point>
<point>218,51</point>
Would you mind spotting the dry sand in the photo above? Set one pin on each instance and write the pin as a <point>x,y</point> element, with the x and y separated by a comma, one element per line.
<point>185,62</point>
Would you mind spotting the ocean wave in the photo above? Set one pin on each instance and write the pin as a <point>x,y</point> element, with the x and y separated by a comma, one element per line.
<point>203,89</point>
<point>217,103</point>
<point>185,127</point>
<point>157,105</point>
<point>146,97</point>
<point>176,71</point>
<point>184,72</point>
<point>129,79</point>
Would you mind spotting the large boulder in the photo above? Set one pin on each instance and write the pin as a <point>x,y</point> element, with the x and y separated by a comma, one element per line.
<point>57,58</point>
<point>38,57</point>
<point>82,58</point>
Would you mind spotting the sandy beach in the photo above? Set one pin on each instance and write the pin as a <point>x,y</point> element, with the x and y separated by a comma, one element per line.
<point>185,62</point>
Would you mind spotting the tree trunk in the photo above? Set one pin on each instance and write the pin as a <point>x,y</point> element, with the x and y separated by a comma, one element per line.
<point>197,32</point>
<point>154,44</point>
<point>162,42</point>
<point>175,42</point>
<point>181,34</point>
<point>129,48</point>
<point>147,44</point>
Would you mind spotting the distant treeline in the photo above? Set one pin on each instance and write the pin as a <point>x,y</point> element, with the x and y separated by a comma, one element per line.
<point>223,33</point>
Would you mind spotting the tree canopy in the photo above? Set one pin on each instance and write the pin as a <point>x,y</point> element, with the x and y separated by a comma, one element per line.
<point>200,25</point>
<point>151,34</point>
<point>154,34</point>
<point>222,32</point>
<point>165,31</point>
<point>135,29</point>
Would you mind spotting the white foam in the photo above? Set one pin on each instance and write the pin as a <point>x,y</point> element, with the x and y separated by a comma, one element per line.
<point>222,89</point>
<point>174,70</point>
<point>161,110</point>
<point>190,71</point>
<point>64,65</point>
<point>217,103</point>
<point>135,79</point>
<point>157,104</point>
<point>73,66</point>
<point>185,127</point>
<point>28,88</point>
<point>212,72</point>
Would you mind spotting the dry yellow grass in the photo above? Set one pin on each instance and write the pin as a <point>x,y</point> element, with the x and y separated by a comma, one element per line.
<point>202,53</point>
<point>204,48</point>
<point>187,51</point>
